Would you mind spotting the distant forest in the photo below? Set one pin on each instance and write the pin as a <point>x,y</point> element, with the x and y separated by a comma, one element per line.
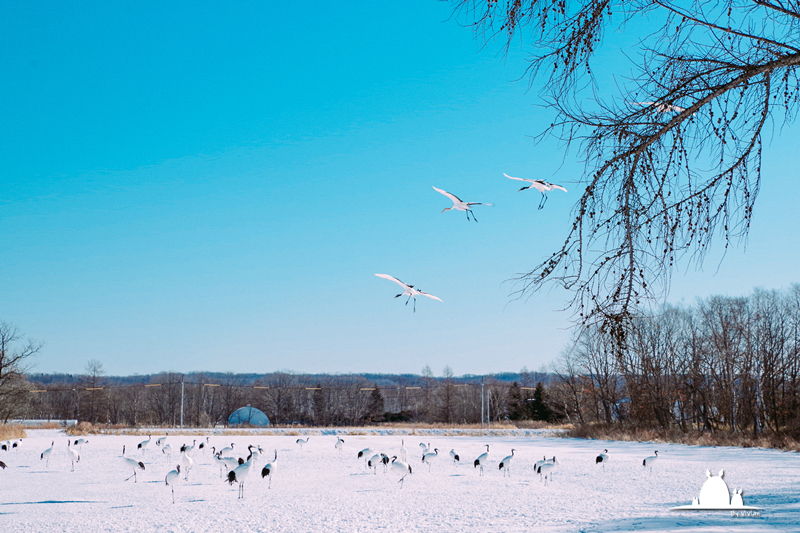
<point>287,398</point>
<point>725,364</point>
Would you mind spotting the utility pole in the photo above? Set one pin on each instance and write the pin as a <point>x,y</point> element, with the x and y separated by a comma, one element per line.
<point>488,411</point>
<point>482,403</point>
<point>182,378</point>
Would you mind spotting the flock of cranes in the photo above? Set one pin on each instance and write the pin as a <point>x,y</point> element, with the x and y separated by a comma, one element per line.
<point>459,205</point>
<point>236,469</point>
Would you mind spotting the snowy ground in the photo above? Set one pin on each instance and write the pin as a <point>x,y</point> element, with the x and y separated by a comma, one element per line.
<point>319,489</point>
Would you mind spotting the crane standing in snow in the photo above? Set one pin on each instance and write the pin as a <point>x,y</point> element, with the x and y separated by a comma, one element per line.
<point>133,464</point>
<point>73,455</point>
<point>650,461</point>
<point>401,468</point>
<point>269,469</point>
<point>173,477</point>
<point>46,454</point>
<point>240,473</point>
<point>506,462</point>
<point>454,456</point>
<point>602,458</point>
<point>430,456</point>
<point>143,445</point>
<point>482,459</point>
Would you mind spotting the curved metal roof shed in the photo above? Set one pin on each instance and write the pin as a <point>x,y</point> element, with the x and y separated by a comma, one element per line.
<point>248,415</point>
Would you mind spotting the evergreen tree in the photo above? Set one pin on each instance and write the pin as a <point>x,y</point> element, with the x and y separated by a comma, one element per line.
<point>516,403</point>
<point>375,409</point>
<point>540,409</point>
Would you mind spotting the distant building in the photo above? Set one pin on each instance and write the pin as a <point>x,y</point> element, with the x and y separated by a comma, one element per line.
<point>248,415</point>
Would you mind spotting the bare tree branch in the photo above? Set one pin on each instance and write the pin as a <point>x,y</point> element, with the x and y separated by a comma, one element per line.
<point>666,175</point>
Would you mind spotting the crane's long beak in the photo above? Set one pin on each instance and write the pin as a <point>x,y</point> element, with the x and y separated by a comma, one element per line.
<point>446,209</point>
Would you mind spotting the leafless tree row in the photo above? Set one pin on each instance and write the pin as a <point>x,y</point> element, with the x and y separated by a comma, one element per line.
<point>321,400</point>
<point>726,363</point>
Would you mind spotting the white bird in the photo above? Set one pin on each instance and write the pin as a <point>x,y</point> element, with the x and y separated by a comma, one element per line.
<point>403,451</point>
<point>173,477</point>
<point>301,442</point>
<point>188,463</point>
<point>6,446</point>
<point>240,473</point>
<point>458,205</point>
<point>650,461</point>
<point>202,444</point>
<point>167,449</point>
<point>400,467</point>
<point>454,456</point>
<point>374,461</point>
<point>143,445</point>
<point>269,469</point>
<point>430,456</point>
<point>544,461</point>
<point>17,443</point>
<point>339,444</point>
<point>226,451</point>
<point>229,463</point>
<point>540,185</point>
<point>73,455</point>
<point>506,462</point>
<point>133,464</point>
<point>602,458</point>
<point>537,464</point>
<point>46,454</point>
<point>408,290</point>
<point>546,469</point>
<point>365,453</point>
<point>385,461</point>
<point>662,107</point>
<point>188,449</point>
<point>482,459</point>
<point>425,447</point>
<point>160,441</point>
<point>80,443</point>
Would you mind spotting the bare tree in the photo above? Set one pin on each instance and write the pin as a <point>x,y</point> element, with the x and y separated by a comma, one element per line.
<point>93,396</point>
<point>676,158</point>
<point>447,396</point>
<point>14,352</point>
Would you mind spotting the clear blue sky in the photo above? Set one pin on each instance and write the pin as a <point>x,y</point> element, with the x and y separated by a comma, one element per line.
<point>205,186</point>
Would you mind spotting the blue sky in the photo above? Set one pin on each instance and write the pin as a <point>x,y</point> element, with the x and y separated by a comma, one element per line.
<point>198,186</point>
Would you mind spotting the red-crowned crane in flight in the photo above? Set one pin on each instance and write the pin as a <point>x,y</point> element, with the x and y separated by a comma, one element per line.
<point>459,205</point>
<point>408,290</point>
<point>540,185</point>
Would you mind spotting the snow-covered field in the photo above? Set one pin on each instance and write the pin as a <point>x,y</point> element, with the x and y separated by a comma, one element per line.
<point>320,489</point>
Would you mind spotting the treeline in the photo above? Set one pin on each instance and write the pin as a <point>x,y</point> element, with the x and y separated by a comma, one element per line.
<point>286,398</point>
<point>724,364</point>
